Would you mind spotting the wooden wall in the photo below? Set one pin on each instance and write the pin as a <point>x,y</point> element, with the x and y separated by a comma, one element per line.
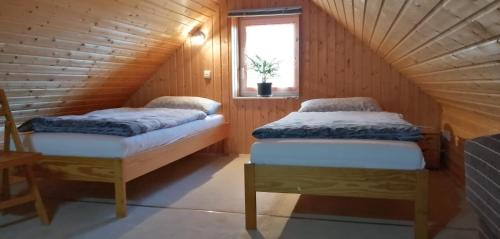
<point>62,57</point>
<point>449,48</point>
<point>333,64</point>
<point>65,56</point>
<point>464,124</point>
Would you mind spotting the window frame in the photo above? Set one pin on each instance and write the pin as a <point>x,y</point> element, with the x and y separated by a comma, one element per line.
<point>239,61</point>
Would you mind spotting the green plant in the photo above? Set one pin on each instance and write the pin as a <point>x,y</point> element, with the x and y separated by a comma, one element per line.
<point>266,68</point>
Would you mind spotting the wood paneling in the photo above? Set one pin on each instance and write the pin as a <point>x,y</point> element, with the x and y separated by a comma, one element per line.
<point>463,124</point>
<point>333,64</point>
<point>449,48</point>
<point>69,57</point>
<point>61,57</point>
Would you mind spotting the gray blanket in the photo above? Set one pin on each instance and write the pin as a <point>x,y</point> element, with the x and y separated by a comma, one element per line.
<point>340,125</point>
<point>120,121</point>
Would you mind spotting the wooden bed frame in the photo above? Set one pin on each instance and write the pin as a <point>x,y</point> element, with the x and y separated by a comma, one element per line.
<point>119,171</point>
<point>346,182</point>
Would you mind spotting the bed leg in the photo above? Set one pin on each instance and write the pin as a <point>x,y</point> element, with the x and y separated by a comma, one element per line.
<point>120,190</point>
<point>120,199</point>
<point>250,198</point>
<point>421,205</point>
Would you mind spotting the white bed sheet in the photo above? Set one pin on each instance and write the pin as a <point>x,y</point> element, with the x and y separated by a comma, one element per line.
<point>109,146</point>
<point>342,153</point>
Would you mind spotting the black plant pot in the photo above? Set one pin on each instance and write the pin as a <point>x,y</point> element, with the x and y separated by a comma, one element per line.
<point>264,89</point>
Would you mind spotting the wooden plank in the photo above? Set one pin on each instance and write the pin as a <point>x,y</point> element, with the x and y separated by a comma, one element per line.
<point>490,110</point>
<point>16,201</point>
<point>250,197</point>
<point>349,15</point>
<point>470,37</point>
<point>322,49</point>
<point>371,15</point>
<point>120,186</point>
<point>488,70</point>
<point>421,205</point>
<point>71,91</point>
<point>147,161</point>
<point>447,18</point>
<point>106,13</point>
<point>390,13</point>
<point>314,51</point>
<point>349,69</point>
<point>416,13</point>
<point>346,182</point>
<point>340,49</point>
<point>33,190</point>
<point>305,48</point>
<point>98,43</point>
<point>359,18</point>
<point>77,168</point>
<point>479,53</point>
<point>491,86</point>
<point>341,11</point>
<point>331,58</point>
<point>466,124</point>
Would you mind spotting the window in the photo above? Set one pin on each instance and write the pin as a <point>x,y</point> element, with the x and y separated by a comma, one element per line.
<point>272,38</point>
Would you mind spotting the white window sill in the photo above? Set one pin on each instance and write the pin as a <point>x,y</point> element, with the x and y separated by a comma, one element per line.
<point>266,98</point>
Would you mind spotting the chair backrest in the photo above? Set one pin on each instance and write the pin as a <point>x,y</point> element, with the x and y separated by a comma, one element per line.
<point>10,128</point>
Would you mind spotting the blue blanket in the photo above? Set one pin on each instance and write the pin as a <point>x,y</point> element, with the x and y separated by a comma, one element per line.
<point>120,121</point>
<point>340,125</point>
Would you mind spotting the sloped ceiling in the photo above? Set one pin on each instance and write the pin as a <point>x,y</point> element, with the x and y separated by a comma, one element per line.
<point>450,48</point>
<point>66,56</point>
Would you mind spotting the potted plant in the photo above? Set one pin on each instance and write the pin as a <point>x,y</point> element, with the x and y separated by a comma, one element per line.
<point>266,69</point>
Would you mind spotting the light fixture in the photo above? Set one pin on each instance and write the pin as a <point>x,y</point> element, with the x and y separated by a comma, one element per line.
<point>197,37</point>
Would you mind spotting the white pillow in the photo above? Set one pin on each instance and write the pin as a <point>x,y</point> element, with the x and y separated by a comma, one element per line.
<point>185,102</point>
<point>340,104</point>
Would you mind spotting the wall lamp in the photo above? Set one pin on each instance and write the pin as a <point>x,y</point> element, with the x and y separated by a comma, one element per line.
<point>197,37</point>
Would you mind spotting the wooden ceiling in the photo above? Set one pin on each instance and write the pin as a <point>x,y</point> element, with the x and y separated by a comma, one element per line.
<point>450,48</point>
<point>65,56</point>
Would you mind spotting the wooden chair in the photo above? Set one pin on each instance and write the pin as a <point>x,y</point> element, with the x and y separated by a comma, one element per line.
<point>21,160</point>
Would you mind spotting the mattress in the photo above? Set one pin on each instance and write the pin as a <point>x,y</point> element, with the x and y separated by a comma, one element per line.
<point>341,153</point>
<point>109,146</point>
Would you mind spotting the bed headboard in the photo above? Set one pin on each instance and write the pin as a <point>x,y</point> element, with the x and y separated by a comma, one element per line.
<point>482,176</point>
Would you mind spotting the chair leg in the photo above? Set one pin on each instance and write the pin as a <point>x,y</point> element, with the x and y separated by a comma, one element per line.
<point>39,206</point>
<point>120,198</point>
<point>5,184</point>
<point>250,197</point>
<point>421,205</point>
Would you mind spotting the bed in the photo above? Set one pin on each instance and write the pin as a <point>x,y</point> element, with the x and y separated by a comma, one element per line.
<point>119,159</point>
<point>319,158</point>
